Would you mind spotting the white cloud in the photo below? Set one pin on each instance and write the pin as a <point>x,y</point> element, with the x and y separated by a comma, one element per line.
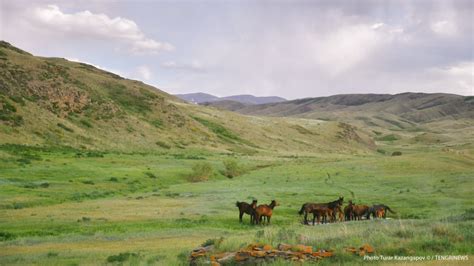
<point>86,24</point>
<point>192,66</point>
<point>377,25</point>
<point>143,73</point>
<point>444,27</point>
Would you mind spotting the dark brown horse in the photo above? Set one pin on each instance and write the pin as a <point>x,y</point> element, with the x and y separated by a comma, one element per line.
<point>358,210</point>
<point>308,207</point>
<point>348,215</point>
<point>321,212</point>
<point>265,210</point>
<point>249,209</point>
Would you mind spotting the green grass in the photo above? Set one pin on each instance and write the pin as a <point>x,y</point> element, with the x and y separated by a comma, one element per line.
<point>140,208</point>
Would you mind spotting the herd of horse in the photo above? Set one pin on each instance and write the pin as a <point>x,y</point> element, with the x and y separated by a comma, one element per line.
<point>322,212</point>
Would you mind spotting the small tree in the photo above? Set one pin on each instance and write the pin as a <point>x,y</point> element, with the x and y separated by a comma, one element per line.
<point>232,168</point>
<point>201,172</point>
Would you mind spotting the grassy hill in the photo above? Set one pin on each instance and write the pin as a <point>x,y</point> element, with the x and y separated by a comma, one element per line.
<point>55,102</point>
<point>407,118</point>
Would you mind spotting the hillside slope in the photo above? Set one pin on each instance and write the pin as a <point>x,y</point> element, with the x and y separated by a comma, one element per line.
<point>55,102</point>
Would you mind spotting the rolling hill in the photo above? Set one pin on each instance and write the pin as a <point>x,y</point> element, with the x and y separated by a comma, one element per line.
<point>55,102</point>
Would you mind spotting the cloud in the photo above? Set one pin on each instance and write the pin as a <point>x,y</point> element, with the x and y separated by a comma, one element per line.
<point>194,66</point>
<point>143,73</point>
<point>86,24</point>
<point>444,27</point>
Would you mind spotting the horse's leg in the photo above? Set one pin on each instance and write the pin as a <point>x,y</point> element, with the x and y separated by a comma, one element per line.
<point>268,219</point>
<point>305,217</point>
<point>314,218</point>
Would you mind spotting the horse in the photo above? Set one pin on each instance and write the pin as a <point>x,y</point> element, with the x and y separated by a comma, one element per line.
<point>373,210</point>
<point>249,209</point>
<point>348,214</point>
<point>340,214</point>
<point>307,207</point>
<point>380,213</point>
<point>321,211</point>
<point>263,211</point>
<point>358,210</point>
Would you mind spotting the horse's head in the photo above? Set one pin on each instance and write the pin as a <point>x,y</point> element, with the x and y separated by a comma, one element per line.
<point>254,201</point>
<point>340,200</point>
<point>274,203</point>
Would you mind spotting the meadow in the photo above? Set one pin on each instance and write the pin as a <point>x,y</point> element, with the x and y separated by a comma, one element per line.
<point>62,206</point>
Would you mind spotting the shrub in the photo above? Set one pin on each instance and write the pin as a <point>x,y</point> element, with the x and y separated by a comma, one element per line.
<point>200,172</point>
<point>150,175</point>
<point>163,145</point>
<point>396,153</point>
<point>232,168</point>
<point>86,123</point>
<point>5,236</point>
<point>61,125</point>
<point>121,257</point>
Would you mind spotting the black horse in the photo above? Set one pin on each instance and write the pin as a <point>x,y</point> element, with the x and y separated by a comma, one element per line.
<point>249,209</point>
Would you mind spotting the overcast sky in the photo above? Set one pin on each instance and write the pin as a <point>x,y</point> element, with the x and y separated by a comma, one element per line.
<point>285,48</point>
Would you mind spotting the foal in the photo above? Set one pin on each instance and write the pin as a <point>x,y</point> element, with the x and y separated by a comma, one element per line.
<point>265,210</point>
<point>249,209</point>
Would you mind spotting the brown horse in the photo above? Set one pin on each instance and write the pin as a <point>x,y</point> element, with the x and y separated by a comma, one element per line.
<point>308,207</point>
<point>348,214</point>
<point>340,214</point>
<point>265,210</point>
<point>380,213</point>
<point>249,209</point>
<point>321,212</point>
<point>377,207</point>
<point>358,210</point>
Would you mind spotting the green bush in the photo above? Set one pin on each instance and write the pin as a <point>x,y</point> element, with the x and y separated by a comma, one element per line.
<point>121,257</point>
<point>163,145</point>
<point>232,168</point>
<point>201,172</point>
<point>61,125</point>
<point>396,153</point>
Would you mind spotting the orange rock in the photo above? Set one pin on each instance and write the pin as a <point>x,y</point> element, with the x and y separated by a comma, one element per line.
<point>267,247</point>
<point>367,248</point>
<point>284,247</point>
<point>215,263</point>
<point>198,254</point>
<point>303,248</point>
<point>240,256</point>
<point>351,249</point>
<point>258,254</point>
<point>326,254</point>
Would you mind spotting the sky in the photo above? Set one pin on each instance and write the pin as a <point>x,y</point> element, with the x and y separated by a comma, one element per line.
<point>292,49</point>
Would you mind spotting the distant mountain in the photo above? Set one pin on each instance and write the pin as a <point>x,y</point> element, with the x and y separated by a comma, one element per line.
<point>245,99</point>
<point>250,99</point>
<point>198,97</point>
<point>400,111</point>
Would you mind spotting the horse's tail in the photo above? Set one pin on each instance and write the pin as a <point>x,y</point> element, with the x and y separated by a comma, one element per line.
<point>390,210</point>
<point>302,209</point>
